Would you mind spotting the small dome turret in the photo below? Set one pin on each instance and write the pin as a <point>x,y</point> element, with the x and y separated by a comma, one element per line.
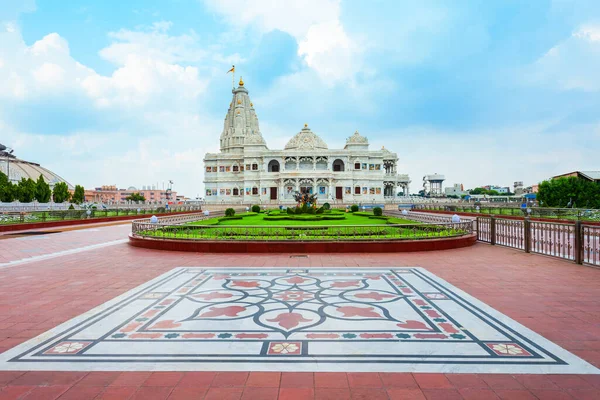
<point>306,139</point>
<point>357,141</point>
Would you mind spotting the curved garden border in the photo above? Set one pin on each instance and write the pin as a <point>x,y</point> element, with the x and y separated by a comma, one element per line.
<point>354,246</point>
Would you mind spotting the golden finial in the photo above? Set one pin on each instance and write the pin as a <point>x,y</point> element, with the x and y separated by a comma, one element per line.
<point>306,125</point>
<point>239,101</point>
<point>382,147</point>
<point>251,105</point>
<point>241,81</point>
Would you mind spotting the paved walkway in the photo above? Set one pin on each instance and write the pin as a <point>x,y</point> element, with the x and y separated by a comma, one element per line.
<point>557,299</point>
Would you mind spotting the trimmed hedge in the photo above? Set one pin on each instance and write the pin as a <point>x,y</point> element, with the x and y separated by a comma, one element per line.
<point>232,217</point>
<point>377,211</point>
<point>305,217</point>
<point>354,208</point>
<point>255,208</point>
<point>230,212</point>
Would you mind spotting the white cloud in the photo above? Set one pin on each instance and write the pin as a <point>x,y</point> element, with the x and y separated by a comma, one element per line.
<point>315,24</point>
<point>293,17</point>
<point>572,64</point>
<point>152,93</point>
<point>154,43</point>
<point>480,157</point>
<point>49,74</point>
<point>39,69</point>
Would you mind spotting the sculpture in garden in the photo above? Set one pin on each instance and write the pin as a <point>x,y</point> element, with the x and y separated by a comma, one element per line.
<point>306,198</point>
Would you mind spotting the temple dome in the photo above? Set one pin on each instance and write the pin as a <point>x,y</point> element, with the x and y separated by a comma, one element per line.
<point>306,140</point>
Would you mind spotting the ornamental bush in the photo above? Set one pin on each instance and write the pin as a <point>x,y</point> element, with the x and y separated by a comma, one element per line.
<point>354,208</point>
<point>291,210</point>
<point>377,211</point>
<point>256,208</point>
<point>310,210</point>
<point>230,212</point>
<point>326,206</point>
<point>320,210</point>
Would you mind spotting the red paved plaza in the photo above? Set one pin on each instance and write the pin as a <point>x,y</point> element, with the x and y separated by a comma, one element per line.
<point>47,280</point>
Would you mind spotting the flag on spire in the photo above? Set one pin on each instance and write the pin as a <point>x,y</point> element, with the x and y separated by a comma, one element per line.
<point>232,69</point>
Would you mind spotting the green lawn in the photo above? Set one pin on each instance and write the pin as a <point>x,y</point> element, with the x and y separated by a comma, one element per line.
<point>257,220</point>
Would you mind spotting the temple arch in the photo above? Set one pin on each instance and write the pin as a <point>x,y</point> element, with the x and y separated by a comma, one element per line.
<point>273,166</point>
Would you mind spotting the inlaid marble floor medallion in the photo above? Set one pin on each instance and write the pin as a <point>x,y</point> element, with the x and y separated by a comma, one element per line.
<point>319,319</point>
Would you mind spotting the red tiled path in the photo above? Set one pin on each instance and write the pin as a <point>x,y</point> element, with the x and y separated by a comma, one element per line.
<point>555,298</point>
<point>67,238</point>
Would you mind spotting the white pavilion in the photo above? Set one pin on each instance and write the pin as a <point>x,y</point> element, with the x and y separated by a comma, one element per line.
<point>246,171</point>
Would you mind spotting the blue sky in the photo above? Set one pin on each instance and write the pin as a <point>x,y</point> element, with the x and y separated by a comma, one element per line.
<point>134,93</point>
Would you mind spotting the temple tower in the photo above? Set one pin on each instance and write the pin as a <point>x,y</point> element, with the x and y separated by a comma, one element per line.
<point>241,131</point>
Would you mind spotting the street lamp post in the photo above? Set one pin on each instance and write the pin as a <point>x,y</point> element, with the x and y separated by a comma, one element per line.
<point>8,152</point>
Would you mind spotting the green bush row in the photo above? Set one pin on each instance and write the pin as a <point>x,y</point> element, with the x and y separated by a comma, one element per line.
<point>305,217</point>
<point>230,218</point>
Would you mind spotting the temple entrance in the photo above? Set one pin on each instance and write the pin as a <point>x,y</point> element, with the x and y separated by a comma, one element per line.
<point>273,193</point>
<point>338,193</point>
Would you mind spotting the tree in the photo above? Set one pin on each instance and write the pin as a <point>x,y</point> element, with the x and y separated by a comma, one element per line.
<point>569,192</point>
<point>79,195</point>
<point>136,197</point>
<point>61,193</point>
<point>42,190</point>
<point>26,190</point>
<point>487,192</point>
<point>7,192</point>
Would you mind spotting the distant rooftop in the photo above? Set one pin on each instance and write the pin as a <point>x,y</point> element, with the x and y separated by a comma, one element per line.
<point>590,175</point>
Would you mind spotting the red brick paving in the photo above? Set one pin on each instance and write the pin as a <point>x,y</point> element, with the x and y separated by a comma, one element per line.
<point>562,303</point>
<point>23,247</point>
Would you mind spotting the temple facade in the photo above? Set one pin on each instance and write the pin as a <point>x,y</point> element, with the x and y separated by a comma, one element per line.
<point>247,171</point>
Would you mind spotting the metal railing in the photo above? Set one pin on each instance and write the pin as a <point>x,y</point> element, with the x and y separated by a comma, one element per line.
<point>166,230</point>
<point>575,214</point>
<point>590,243</point>
<point>15,217</point>
<point>421,217</point>
<point>577,242</point>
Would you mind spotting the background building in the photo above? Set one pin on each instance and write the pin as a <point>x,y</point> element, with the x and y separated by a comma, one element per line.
<point>110,194</point>
<point>16,169</point>
<point>456,190</point>
<point>499,189</point>
<point>247,171</point>
<point>593,176</point>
